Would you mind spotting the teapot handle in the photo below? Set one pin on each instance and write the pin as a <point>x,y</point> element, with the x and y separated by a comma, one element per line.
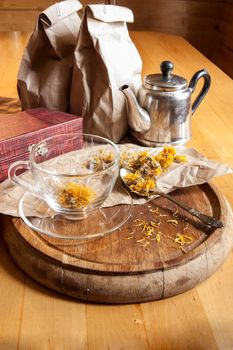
<point>192,85</point>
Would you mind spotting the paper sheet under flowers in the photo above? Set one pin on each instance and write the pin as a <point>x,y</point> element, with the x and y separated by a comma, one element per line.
<point>196,171</point>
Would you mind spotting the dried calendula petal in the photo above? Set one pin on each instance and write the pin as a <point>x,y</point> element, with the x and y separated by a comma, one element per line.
<point>140,223</point>
<point>73,195</point>
<point>155,210</point>
<point>145,244</point>
<point>157,238</point>
<point>184,251</point>
<point>155,224</point>
<point>179,239</point>
<point>140,240</point>
<point>149,231</point>
<point>173,222</point>
<point>180,159</point>
<point>183,239</point>
<point>188,239</point>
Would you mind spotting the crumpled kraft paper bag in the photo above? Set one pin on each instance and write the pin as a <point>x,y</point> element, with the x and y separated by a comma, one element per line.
<point>105,59</point>
<point>45,73</point>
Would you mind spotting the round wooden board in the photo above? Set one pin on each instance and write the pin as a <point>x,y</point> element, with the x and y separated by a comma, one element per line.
<point>120,267</point>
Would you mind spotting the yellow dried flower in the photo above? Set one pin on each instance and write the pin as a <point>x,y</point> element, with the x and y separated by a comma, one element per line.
<point>166,157</point>
<point>140,185</point>
<point>132,176</point>
<point>100,161</point>
<point>74,195</point>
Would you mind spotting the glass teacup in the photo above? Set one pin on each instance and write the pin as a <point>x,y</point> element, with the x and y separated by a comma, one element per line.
<point>73,173</point>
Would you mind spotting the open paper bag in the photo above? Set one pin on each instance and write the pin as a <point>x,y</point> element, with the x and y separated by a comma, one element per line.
<point>45,73</point>
<point>105,59</point>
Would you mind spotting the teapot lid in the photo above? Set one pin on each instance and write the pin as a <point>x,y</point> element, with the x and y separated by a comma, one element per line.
<point>165,81</point>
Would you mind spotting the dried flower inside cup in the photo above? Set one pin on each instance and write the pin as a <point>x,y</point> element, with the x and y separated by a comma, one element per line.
<point>73,195</point>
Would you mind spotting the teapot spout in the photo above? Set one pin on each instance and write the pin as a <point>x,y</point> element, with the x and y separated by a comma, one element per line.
<point>138,118</point>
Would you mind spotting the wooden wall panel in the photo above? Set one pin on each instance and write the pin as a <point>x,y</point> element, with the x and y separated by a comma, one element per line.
<point>18,20</point>
<point>34,4</point>
<point>206,24</point>
<point>196,20</point>
<point>222,55</point>
<point>173,16</point>
<point>21,14</point>
<point>25,4</point>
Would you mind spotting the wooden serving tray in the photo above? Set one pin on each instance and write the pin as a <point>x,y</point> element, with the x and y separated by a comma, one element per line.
<point>120,268</point>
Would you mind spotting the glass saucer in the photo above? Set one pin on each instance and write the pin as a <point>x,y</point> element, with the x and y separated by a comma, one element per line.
<point>98,223</point>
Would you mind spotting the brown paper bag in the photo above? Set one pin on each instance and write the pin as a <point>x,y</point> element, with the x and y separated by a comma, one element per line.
<point>45,72</point>
<point>105,59</point>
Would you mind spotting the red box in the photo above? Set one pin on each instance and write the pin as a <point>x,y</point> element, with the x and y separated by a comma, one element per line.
<point>21,130</point>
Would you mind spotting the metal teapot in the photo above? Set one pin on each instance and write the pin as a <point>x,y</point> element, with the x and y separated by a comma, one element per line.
<point>162,113</point>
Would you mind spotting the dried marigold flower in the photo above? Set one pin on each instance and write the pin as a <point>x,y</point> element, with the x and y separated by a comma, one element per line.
<point>166,157</point>
<point>132,177</point>
<point>138,184</point>
<point>100,161</point>
<point>73,195</point>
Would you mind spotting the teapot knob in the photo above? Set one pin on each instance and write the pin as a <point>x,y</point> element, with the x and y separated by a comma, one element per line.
<point>166,68</point>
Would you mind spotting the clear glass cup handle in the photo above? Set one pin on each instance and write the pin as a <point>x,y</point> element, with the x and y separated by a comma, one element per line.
<point>22,165</point>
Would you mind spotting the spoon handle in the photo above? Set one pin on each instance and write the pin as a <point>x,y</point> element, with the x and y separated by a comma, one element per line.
<point>205,219</point>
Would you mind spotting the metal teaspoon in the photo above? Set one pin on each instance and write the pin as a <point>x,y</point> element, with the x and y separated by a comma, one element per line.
<point>205,219</point>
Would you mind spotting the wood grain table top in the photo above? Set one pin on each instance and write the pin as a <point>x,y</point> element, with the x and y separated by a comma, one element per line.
<point>33,317</point>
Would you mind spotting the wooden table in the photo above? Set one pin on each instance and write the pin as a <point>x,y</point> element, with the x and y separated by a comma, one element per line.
<point>33,317</point>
